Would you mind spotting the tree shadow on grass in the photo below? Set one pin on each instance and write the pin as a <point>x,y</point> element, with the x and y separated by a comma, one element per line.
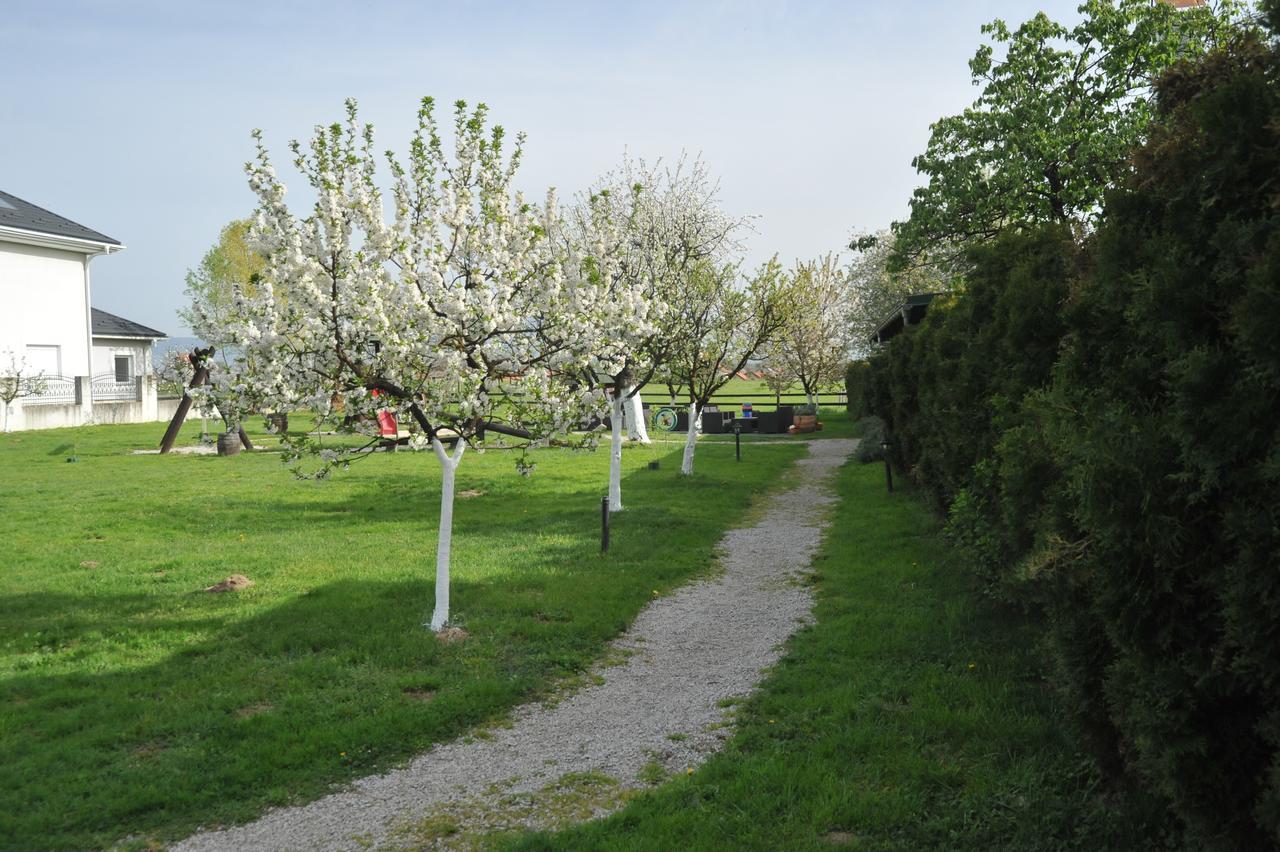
<point>320,689</point>
<point>265,706</point>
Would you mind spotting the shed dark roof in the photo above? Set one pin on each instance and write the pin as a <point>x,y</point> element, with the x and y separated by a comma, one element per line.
<point>16,213</point>
<point>910,312</point>
<point>110,325</point>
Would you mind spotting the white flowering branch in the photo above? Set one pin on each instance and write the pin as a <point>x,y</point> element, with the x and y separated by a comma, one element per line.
<point>463,311</point>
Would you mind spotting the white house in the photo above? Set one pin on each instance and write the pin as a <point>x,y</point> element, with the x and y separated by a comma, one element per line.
<point>96,366</point>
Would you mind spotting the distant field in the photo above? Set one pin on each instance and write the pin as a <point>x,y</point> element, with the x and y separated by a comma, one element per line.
<point>744,390</point>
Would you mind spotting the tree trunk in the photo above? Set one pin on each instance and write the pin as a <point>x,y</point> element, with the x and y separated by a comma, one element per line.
<point>638,429</point>
<point>615,454</point>
<point>449,465</point>
<point>813,400</point>
<point>6,415</point>
<point>691,439</point>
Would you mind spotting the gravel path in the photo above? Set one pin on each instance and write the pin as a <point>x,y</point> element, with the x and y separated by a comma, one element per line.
<point>662,708</point>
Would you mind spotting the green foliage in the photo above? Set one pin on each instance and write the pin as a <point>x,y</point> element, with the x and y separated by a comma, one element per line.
<point>949,386</point>
<point>856,377</point>
<point>1059,110</point>
<point>230,264</point>
<point>1169,444</point>
<point>871,430</point>
<point>1102,434</point>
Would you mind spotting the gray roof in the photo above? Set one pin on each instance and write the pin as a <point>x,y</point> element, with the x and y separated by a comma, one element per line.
<point>110,325</point>
<point>16,213</point>
<point>910,312</point>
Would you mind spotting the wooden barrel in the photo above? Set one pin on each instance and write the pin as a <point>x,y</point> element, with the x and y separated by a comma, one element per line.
<point>228,444</point>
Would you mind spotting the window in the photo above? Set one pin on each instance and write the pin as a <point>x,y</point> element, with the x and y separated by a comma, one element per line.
<point>124,368</point>
<point>46,360</point>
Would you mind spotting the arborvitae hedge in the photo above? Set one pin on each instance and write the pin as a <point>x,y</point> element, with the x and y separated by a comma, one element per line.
<point>1102,427</point>
<point>856,376</point>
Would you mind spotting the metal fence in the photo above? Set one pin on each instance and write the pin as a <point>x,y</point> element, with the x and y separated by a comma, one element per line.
<point>58,390</point>
<point>107,389</point>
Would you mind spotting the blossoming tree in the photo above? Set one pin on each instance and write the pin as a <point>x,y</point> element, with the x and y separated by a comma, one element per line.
<point>458,312</point>
<point>17,380</point>
<point>627,314</point>
<point>655,225</point>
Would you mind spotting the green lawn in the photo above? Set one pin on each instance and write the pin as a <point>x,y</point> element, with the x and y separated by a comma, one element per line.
<point>134,705</point>
<point>731,395</point>
<point>912,715</point>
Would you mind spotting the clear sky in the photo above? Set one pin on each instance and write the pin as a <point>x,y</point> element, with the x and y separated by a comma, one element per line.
<point>133,118</point>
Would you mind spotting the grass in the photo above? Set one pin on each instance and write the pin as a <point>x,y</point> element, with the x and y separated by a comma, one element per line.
<point>911,715</point>
<point>730,396</point>
<point>134,706</point>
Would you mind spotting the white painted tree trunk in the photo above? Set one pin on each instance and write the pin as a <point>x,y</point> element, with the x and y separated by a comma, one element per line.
<point>638,430</point>
<point>5,405</point>
<point>691,440</point>
<point>813,400</point>
<point>449,465</point>
<point>615,455</point>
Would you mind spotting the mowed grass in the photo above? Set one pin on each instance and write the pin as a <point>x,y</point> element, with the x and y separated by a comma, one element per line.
<point>737,391</point>
<point>911,715</point>
<point>135,707</point>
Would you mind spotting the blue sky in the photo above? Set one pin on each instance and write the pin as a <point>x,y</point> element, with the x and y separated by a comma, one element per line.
<point>133,118</point>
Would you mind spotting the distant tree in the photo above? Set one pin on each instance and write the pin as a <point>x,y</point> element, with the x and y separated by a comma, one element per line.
<point>1060,109</point>
<point>17,380</point>
<point>722,325</point>
<point>211,286</point>
<point>876,287</point>
<point>173,371</point>
<point>778,377</point>
<point>814,342</point>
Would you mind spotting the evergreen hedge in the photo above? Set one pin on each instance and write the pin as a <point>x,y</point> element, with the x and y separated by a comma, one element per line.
<point>1100,423</point>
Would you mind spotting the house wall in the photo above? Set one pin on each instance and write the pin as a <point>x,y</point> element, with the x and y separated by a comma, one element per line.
<point>43,294</point>
<point>105,350</point>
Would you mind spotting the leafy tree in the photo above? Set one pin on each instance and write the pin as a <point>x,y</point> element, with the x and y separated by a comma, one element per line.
<point>720,326</point>
<point>229,265</point>
<point>814,341</point>
<point>1059,111</point>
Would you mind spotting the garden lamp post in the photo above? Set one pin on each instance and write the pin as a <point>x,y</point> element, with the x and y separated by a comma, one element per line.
<point>885,446</point>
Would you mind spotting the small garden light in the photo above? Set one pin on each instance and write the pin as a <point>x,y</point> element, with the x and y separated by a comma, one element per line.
<point>885,446</point>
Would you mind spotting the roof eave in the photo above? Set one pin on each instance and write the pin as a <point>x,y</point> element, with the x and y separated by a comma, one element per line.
<point>110,336</point>
<point>10,234</point>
